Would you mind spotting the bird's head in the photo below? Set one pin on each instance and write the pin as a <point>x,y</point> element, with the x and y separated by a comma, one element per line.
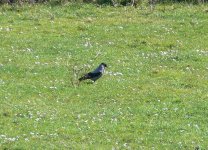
<point>104,64</point>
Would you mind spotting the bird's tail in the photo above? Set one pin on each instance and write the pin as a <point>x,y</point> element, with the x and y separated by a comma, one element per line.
<point>82,78</point>
<point>86,76</point>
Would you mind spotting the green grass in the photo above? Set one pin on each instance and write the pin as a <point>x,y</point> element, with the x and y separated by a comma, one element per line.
<point>152,96</point>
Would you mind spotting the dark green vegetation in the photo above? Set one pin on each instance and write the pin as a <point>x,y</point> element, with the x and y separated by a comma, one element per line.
<point>104,2</point>
<point>153,95</point>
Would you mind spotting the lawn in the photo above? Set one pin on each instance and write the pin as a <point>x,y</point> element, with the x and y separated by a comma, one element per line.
<point>153,95</point>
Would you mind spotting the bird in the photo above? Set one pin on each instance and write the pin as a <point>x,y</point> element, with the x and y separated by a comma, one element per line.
<point>96,74</point>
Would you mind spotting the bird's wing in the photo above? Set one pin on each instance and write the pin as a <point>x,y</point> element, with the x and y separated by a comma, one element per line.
<point>93,75</point>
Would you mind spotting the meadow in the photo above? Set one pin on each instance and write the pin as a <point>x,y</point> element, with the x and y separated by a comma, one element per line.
<point>153,95</point>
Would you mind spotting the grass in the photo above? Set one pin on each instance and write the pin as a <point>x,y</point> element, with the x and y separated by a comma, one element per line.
<point>152,96</point>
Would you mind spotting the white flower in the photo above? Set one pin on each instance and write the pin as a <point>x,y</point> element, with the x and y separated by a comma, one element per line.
<point>2,136</point>
<point>120,27</point>
<point>29,49</point>
<point>53,87</point>
<point>88,44</point>
<point>125,145</point>
<point>37,119</point>
<point>11,139</point>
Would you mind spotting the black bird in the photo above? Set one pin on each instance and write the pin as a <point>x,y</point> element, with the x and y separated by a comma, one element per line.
<point>96,74</point>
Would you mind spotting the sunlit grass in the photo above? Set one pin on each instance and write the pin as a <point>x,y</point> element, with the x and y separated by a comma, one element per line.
<point>153,94</point>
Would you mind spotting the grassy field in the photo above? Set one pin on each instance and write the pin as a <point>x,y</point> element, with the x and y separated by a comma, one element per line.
<point>154,94</point>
